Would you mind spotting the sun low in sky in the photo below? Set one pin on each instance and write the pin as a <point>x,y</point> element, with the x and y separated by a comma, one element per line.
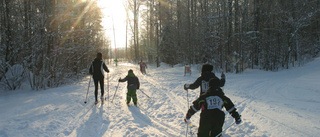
<point>114,21</point>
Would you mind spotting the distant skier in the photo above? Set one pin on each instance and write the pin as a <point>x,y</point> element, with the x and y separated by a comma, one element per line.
<point>132,86</point>
<point>212,117</point>
<point>96,69</point>
<point>203,80</point>
<point>143,67</point>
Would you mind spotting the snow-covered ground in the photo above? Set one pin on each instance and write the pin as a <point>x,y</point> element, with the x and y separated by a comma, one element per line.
<point>276,104</point>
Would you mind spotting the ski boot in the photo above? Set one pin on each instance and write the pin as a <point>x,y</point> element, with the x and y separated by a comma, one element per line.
<point>135,104</point>
<point>102,99</point>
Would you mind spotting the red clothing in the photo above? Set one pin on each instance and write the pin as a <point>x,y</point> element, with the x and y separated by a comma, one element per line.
<point>143,66</point>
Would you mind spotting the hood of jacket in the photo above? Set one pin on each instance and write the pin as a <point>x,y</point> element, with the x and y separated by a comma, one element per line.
<point>131,74</point>
<point>207,75</point>
<point>97,60</point>
<point>215,91</point>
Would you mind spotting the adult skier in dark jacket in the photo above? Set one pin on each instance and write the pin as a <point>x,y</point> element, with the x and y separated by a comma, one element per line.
<point>211,104</point>
<point>203,80</point>
<point>132,86</point>
<point>96,69</point>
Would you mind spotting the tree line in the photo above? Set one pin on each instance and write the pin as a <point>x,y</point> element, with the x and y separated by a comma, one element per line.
<point>230,34</point>
<point>48,41</point>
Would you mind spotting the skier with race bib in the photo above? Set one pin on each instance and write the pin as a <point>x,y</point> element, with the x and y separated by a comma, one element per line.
<point>203,80</point>
<point>212,117</point>
<point>132,86</point>
<point>96,70</point>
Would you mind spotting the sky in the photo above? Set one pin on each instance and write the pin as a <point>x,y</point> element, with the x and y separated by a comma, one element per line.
<point>272,104</point>
<point>114,17</point>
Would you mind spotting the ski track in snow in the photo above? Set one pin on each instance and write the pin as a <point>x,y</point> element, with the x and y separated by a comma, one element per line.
<point>283,103</point>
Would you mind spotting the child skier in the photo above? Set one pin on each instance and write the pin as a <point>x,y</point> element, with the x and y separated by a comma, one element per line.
<point>211,104</point>
<point>132,86</point>
<point>203,80</point>
<point>96,69</point>
<point>143,67</point>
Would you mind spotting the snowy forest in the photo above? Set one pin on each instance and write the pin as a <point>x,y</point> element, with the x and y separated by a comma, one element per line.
<point>47,42</point>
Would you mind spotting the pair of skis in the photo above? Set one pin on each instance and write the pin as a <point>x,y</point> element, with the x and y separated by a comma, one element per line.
<point>117,90</point>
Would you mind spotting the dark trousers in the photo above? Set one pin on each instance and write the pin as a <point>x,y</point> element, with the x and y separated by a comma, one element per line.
<point>96,82</point>
<point>212,127</point>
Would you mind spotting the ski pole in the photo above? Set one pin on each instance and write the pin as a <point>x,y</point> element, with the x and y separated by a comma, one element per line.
<point>225,129</point>
<point>145,93</point>
<point>221,78</point>
<point>108,87</point>
<point>87,91</point>
<point>188,98</point>
<point>115,92</point>
<point>187,109</point>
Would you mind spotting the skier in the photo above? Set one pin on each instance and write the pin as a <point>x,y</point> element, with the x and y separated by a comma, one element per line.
<point>132,86</point>
<point>143,67</point>
<point>203,80</point>
<point>96,69</point>
<point>211,104</point>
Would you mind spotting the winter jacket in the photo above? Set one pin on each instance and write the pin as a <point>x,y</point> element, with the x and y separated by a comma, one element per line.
<point>211,104</point>
<point>133,81</point>
<point>143,65</point>
<point>96,68</point>
<point>203,81</point>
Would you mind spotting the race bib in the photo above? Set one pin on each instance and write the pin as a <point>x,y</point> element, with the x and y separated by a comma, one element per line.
<point>214,102</point>
<point>205,86</point>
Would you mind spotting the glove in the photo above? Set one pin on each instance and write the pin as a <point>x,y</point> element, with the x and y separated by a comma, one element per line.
<point>238,120</point>
<point>186,86</point>
<point>236,116</point>
<point>186,120</point>
<point>223,76</point>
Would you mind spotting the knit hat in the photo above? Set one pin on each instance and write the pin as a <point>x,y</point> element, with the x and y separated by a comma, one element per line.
<point>206,67</point>
<point>99,55</point>
<point>130,71</point>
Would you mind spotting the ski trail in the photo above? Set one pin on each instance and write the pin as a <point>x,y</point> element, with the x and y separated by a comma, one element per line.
<point>136,115</point>
<point>131,116</point>
<point>172,102</point>
<point>77,120</point>
<point>271,104</point>
<point>90,119</point>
